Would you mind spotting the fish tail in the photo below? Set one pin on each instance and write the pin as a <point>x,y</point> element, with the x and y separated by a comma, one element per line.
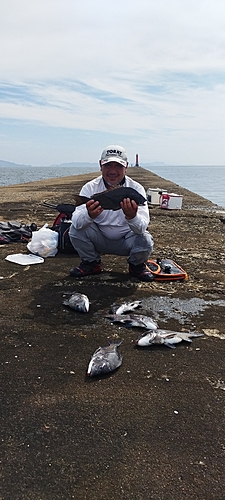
<point>80,200</point>
<point>116,342</point>
<point>192,334</point>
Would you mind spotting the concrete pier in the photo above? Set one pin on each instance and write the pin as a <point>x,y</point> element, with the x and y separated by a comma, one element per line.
<point>155,428</point>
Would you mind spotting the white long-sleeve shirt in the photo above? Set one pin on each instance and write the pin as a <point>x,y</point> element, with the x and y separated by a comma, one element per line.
<point>113,224</point>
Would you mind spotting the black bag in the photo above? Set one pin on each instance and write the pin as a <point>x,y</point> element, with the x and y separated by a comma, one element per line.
<point>64,245</point>
<point>62,225</point>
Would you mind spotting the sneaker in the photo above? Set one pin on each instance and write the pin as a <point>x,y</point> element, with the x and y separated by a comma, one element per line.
<point>85,268</point>
<point>142,272</point>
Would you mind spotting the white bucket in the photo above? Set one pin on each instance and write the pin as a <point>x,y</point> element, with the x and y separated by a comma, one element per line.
<point>153,195</point>
<point>171,201</point>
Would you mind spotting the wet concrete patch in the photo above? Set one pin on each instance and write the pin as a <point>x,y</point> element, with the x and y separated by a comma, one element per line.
<point>185,311</point>
<point>47,306</point>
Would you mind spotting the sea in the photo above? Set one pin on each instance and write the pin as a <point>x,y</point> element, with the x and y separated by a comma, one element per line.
<point>206,180</point>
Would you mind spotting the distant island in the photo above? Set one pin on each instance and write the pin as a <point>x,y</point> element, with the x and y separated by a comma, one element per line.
<point>4,163</point>
<point>73,164</point>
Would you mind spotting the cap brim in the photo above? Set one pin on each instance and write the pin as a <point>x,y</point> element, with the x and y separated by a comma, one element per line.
<point>123,163</point>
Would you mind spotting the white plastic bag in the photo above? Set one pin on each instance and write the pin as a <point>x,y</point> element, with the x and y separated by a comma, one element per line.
<point>44,242</point>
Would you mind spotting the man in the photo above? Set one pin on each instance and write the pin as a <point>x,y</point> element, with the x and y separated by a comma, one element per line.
<point>95,231</point>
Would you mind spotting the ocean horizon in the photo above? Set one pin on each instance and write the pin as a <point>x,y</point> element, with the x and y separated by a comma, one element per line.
<point>206,180</point>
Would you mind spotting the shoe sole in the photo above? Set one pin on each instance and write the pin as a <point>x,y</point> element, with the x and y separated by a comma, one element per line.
<point>139,277</point>
<point>81,275</point>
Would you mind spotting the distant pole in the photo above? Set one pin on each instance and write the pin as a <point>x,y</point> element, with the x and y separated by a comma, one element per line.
<point>136,164</point>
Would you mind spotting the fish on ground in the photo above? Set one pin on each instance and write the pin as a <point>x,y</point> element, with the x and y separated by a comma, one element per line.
<point>78,301</point>
<point>125,307</point>
<point>167,337</point>
<point>105,359</point>
<point>130,320</point>
<point>111,198</point>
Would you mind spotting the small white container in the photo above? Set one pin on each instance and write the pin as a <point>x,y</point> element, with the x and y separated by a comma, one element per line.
<point>171,201</point>
<point>153,195</point>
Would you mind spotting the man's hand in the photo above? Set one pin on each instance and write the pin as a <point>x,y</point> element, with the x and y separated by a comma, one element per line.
<point>94,208</point>
<point>129,208</point>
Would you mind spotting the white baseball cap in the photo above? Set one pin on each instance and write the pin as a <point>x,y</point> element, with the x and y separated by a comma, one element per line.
<point>114,153</point>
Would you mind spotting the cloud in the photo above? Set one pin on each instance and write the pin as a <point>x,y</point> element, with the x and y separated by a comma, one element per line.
<point>149,72</point>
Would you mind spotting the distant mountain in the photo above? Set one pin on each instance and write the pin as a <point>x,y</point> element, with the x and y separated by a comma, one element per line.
<point>74,164</point>
<point>4,163</point>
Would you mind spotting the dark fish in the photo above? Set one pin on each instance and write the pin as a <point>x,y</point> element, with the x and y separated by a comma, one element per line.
<point>130,320</point>
<point>167,337</point>
<point>105,359</point>
<point>78,301</point>
<point>111,198</point>
<point>125,307</point>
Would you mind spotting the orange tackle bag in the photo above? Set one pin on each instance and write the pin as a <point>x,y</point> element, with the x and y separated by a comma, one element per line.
<point>166,270</point>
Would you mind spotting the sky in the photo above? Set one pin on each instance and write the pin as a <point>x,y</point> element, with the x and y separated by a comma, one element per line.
<point>79,75</point>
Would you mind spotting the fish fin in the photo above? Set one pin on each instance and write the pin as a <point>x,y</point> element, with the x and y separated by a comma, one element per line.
<point>169,344</point>
<point>117,318</point>
<point>65,302</point>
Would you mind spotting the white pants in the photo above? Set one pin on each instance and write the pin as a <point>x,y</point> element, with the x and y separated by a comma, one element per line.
<point>90,243</point>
